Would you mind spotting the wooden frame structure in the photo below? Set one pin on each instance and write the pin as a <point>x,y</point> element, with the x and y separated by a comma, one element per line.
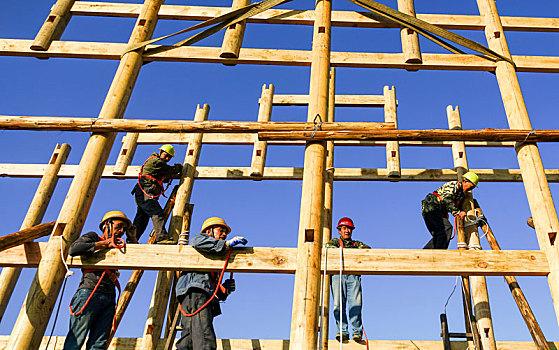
<point>319,136</point>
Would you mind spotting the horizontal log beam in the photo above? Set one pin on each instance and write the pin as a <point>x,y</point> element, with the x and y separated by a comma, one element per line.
<point>113,51</point>
<point>283,260</point>
<point>26,235</point>
<point>306,17</point>
<point>57,343</point>
<point>419,135</point>
<point>286,173</point>
<point>8,122</point>
<point>248,139</point>
<point>341,100</point>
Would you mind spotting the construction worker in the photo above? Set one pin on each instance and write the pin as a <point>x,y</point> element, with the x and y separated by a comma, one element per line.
<point>350,288</point>
<point>153,174</point>
<point>436,206</point>
<point>195,289</point>
<point>93,305</point>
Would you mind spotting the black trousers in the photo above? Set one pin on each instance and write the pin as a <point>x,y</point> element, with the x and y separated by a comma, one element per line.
<point>198,330</point>
<point>148,208</point>
<point>439,227</point>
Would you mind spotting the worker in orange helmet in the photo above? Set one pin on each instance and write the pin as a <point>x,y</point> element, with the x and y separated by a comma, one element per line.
<point>350,286</point>
<point>93,305</point>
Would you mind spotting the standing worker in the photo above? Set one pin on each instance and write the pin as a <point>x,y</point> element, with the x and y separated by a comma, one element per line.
<point>199,292</point>
<point>153,174</point>
<point>93,305</point>
<point>351,286</point>
<point>436,206</point>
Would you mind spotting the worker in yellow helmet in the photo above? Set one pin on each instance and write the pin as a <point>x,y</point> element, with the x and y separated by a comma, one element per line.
<point>153,174</point>
<point>195,289</point>
<point>93,305</point>
<point>436,206</point>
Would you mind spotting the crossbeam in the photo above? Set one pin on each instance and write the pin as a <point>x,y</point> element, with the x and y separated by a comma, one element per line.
<point>340,100</point>
<point>306,17</point>
<point>283,260</point>
<point>113,51</point>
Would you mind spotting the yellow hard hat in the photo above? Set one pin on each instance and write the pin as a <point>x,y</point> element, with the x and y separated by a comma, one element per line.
<point>168,149</point>
<point>472,177</point>
<point>213,221</point>
<point>114,214</point>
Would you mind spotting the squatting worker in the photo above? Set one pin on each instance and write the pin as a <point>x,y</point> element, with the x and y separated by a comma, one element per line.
<point>351,286</point>
<point>195,289</point>
<point>436,206</point>
<point>92,308</point>
<point>153,174</point>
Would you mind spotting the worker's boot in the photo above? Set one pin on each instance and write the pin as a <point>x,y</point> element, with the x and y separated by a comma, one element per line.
<point>357,338</point>
<point>530,222</point>
<point>165,240</point>
<point>345,337</point>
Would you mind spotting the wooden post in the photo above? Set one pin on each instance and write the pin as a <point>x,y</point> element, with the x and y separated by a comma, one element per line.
<point>233,38</point>
<point>156,314</point>
<point>444,332</point>
<point>458,148</point>
<point>54,26</point>
<point>518,295</point>
<point>306,292</point>
<point>126,154</point>
<point>392,147</point>
<point>328,205</point>
<point>533,174</point>
<point>25,235</point>
<point>260,147</point>
<point>35,214</point>
<point>35,313</point>
<point>410,39</point>
<point>478,284</point>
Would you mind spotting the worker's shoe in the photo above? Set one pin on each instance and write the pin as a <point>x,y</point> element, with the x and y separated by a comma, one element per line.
<point>165,240</point>
<point>345,337</point>
<point>357,338</point>
<point>530,222</point>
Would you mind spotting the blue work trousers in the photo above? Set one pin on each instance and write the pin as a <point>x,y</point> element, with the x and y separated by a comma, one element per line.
<point>351,301</point>
<point>97,318</point>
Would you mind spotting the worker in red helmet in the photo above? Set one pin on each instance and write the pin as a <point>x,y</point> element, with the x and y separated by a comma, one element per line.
<point>350,286</point>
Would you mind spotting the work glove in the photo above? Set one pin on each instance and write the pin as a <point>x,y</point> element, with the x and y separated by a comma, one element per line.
<point>236,241</point>
<point>229,285</point>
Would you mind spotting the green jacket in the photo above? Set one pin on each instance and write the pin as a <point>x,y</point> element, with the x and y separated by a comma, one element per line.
<point>347,243</point>
<point>449,199</point>
<point>158,169</point>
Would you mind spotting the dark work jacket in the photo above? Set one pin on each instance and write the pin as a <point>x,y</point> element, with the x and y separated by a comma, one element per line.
<point>203,280</point>
<point>85,246</point>
<point>159,170</point>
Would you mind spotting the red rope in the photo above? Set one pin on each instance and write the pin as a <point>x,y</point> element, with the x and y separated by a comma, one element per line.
<point>455,227</point>
<point>90,296</point>
<point>215,292</point>
<point>366,339</point>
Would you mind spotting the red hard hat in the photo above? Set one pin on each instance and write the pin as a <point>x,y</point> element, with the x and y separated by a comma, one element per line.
<point>346,222</point>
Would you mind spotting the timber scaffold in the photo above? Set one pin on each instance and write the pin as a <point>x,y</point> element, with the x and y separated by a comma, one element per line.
<point>320,138</point>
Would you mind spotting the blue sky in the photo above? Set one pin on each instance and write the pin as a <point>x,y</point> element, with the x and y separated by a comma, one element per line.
<point>387,215</point>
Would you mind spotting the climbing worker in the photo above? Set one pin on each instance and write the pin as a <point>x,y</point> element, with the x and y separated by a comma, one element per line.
<point>436,205</point>
<point>199,292</point>
<point>93,305</point>
<point>153,174</point>
<point>351,286</point>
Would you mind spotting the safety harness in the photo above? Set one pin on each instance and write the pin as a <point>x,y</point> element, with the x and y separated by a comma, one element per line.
<point>441,199</point>
<point>159,182</point>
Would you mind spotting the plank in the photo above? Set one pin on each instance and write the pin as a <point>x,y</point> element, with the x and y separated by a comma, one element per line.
<point>283,260</point>
<point>341,100</point>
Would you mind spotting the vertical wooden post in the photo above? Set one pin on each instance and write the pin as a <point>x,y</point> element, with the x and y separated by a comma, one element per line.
<point>533,175</point>
<point>156,314</point>
<point>260,147</point>
<point>478,284</point>
<point>35,213</point>
<point>458,148</point>
<point>126,154</point>
<point>35,313</point>
<point>328,205</point>
<point>410,39</point>
<point>54,26</point>
<point>233,38</point>
<point>306,292</point>
<point>392,147</point>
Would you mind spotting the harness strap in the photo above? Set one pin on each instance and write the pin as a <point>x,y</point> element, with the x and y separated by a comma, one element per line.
<point>160,183</point>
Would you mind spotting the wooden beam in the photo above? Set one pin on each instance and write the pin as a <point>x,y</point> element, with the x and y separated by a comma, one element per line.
<point>233,38</point>
<point>25,235</point>
<point>526,135</point>
<point>409,38</point>
<point>284,260</point>
<point>35,214</point>
<point>37,308</point>
<point>341,100</point>
<point>57,343</point>
<point>288,173</point>
<point>113,51</point>
<point>260,148</point>
<point>54,25</point>
<point>392,147</point>
<point>129,143</point>
<point>306,17</point>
